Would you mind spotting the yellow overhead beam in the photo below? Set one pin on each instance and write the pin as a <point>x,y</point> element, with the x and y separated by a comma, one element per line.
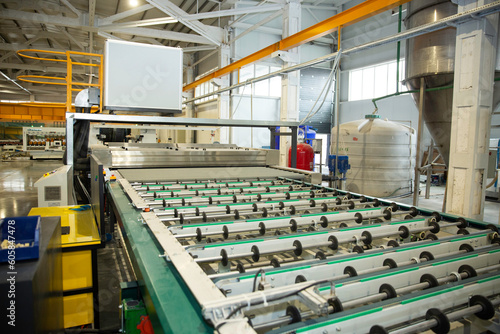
<point>350,16</point>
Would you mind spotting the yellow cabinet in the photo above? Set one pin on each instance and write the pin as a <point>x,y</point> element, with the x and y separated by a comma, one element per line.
<point>79,241</point>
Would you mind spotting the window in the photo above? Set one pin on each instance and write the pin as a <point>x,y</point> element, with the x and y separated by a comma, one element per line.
<point>375,81</point>
<point>205,88</point>
<point>268,87</point>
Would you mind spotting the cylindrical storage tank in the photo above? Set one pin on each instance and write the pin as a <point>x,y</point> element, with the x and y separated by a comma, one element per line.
<point>432,56</point>
<point>381,154</point>
<point>305,157</point>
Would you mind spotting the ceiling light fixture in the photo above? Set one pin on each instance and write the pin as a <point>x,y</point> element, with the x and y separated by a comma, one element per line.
<point>133,3</point>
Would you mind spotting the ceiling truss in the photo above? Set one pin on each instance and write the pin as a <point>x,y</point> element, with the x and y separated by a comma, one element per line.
<point>83,25</point>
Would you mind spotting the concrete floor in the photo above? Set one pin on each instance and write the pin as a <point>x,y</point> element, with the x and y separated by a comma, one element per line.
<point>435,202</point>
<point>17,190</point>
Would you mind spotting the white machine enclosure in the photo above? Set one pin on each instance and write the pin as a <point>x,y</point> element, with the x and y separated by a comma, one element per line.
<point>151,82</point>
<point>55,188</point>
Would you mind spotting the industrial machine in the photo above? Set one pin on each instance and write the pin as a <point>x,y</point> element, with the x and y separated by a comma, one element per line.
<point>220,236</point>
<point>55,188</point>
<point>44,142</point>
<point>100,133</point>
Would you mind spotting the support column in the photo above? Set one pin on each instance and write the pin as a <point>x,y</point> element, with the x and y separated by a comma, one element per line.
<point>290,82</point>
<point>224,102</point>
<point>471,115</point>
<point>189,95</point>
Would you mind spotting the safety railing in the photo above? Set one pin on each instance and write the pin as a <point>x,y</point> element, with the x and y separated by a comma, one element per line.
<point>68,80</point>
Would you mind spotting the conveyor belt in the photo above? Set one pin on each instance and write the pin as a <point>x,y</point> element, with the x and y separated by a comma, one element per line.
<point>293,256</point>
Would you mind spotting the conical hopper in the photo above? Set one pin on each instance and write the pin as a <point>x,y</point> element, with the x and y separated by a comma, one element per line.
<point>431,56</point>
<point>437,109</point>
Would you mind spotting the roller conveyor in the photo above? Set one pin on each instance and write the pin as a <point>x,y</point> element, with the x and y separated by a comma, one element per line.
<point>275,223</point>
<point>349,266</point>
<point>357,291</point>
<point>297,257</point>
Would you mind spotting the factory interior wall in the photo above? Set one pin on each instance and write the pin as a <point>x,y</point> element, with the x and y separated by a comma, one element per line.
<point>208,64</point>
<point>312,82</point>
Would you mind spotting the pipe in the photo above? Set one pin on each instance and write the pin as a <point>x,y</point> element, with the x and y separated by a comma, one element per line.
<point>337,112</point>
<point>398,53</point>
<point>14,82</point>
<point>493,181</point>
<point>416,91</point>
<point>374,101</point>
<point>429,170</point>
<point>419,141</point>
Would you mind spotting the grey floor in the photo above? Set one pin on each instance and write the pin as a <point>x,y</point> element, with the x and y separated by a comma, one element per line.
<point>435,202</point>
<point>17,185</point>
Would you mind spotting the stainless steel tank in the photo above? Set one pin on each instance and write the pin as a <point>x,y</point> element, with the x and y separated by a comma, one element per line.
<point>432,57</point>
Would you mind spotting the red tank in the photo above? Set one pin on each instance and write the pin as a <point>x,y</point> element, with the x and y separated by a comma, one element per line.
<point>305,157</point>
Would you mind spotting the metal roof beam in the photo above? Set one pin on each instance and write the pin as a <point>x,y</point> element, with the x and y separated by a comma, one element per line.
<point>72,8</point>
<point>139,23</point>
<point>108,36</point>
<point>10,14</point>
<point>149,40</point>
<point>125,14</point>
<point>234,12</point>
<point>257,25</point>
<point>199,48</point>
<point>163,34</point>
<point>15,47</point>
<point>77,23</point>
<point>213,34</point>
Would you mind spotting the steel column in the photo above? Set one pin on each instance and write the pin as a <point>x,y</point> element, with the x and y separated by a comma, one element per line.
<point>294,146</point>
<point>190,105</point>
<point>224,105</point>
<point>69,138</point>
<point>289,107</point>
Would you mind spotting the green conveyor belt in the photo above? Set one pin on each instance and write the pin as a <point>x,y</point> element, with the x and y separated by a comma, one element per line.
<point>171,306</point>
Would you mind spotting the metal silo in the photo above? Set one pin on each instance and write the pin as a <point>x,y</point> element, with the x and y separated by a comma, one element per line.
<point>432,56</point>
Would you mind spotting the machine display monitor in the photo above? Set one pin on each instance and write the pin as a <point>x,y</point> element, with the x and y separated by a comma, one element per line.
<point>141,77</point>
